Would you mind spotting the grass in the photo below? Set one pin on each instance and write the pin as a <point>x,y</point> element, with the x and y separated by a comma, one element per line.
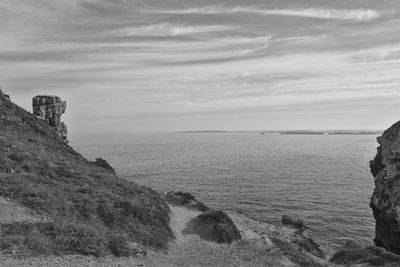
<point>90,210</point>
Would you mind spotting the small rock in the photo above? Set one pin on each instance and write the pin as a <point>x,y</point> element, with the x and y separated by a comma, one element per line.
<point>103,163</point>
<point>294,222</point>
<point>309,245</point>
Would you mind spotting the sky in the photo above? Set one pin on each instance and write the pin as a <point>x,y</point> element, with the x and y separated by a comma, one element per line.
<point>172,65</point>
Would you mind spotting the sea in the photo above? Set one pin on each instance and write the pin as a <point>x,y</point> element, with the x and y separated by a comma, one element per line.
<point>323,179</point>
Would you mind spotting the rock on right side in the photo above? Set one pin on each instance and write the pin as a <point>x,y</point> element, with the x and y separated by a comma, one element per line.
<point>385,200</point>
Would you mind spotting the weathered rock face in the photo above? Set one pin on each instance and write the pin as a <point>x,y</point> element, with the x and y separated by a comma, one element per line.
<point>295,222</point>
<point>385,201</point>
<point>103,163</point>
<point>50,109</point>
<point>353,254</point>
<point>5,96</point>
<point>185,199</point>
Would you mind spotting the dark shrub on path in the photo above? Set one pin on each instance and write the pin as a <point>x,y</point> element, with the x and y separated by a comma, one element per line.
<point>215,226</point>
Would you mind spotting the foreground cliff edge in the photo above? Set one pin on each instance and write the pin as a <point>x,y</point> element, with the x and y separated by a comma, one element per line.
<point>385,205</point>
<point>385,201</point>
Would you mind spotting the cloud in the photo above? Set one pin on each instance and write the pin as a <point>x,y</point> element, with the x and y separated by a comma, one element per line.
<point>168,29</point>
<point>319,13</point>
<point>161,64</point>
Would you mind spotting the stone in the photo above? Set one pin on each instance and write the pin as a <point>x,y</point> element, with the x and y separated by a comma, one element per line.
<point>294,222</point>
<point>214,225</point>
<point>385,200</point>
<point>50,108</point>
<point>4,96</point>
<point>352,254</point>
<point>104,164</point>
<point>185,199</point>
<point>308,244</point>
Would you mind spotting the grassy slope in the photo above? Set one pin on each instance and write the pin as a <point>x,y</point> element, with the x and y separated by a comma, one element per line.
<point>90,209</point>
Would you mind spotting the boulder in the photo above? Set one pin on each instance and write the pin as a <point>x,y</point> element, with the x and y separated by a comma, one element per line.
<point>4,96</point>
<point>294,222</point>
<point>299,238</point>
<point>185,199</point>
<point>354,254</point>
<point>104,164</point>
<point>50,108</point>
<point>214,225</point>
<point>385,200</point>
<point>308,244</point>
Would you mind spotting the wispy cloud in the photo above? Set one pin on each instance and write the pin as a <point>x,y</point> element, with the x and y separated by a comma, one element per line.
<point>168,29</point>
<point>319,13</point>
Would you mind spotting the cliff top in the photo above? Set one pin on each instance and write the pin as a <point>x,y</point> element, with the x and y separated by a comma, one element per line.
<point>88,209</point>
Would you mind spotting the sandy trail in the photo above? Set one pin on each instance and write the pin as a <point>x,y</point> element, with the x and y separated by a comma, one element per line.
<point>190,250</point>
<point>180,217</point>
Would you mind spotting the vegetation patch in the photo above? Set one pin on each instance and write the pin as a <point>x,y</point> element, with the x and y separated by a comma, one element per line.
<point>214,225</point>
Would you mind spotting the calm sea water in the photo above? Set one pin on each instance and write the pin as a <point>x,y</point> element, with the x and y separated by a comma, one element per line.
<point>324,179</point>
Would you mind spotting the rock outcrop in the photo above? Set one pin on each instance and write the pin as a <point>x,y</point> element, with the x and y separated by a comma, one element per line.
<point>104,164</point>
<point>50,108</point>
<point>294,222</point>
<point>214,225</point>
<point>385,200</point>
<point>4,96</point>
<point>185,199</point>
<point>353,254</point>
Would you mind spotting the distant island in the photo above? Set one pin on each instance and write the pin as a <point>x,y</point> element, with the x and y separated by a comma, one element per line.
<point>302,132</point>
<point>359,132</point>
<point>206,131</point>
<point>289,132</point>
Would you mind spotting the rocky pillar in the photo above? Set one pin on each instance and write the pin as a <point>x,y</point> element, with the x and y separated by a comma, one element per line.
<point>50,108</point>
<point>385,200</point>
<point>3,95</point>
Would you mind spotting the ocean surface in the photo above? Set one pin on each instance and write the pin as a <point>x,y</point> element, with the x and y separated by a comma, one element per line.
<point>323,179</point>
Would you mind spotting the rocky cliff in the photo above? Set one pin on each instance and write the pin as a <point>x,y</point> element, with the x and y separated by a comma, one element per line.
<point>50,108</point>
<point>385,200</point>
<point>4,96</point>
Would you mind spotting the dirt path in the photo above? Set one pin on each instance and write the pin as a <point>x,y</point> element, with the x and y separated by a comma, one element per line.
<point>190,250</point>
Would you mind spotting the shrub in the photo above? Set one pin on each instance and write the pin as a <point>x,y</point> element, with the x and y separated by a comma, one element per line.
<point>17,156</point>
<point>119,246</point>
<point>214,225</point>
<point>79,238</point>
<point>44,238</point>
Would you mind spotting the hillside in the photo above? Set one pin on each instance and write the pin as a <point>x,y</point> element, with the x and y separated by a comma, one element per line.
<point>85,208</point>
